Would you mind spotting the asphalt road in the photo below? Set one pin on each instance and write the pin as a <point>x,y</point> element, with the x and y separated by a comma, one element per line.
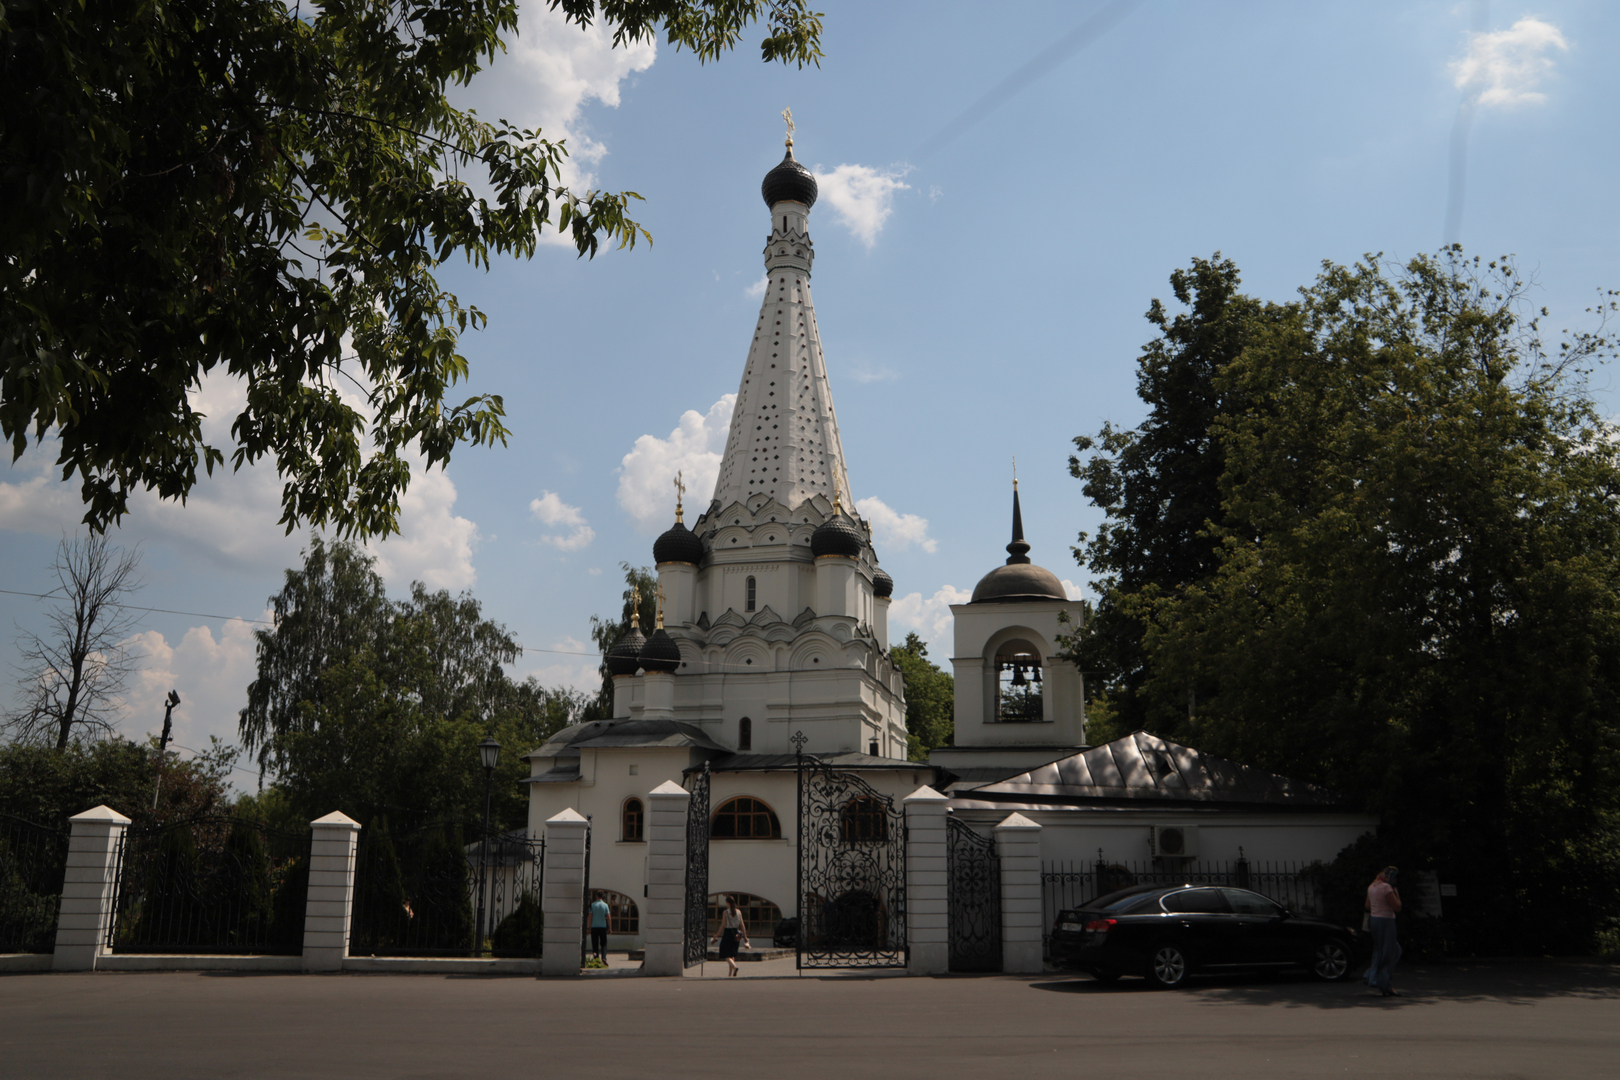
<point>1457,1020</point>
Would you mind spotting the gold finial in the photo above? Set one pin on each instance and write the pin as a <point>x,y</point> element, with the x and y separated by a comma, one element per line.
<point>1015,479</point>
<point>787,114</point>
<point>635,606</point>
<point>680,490</point>
<point>837,505</point>
<point>658,591</point>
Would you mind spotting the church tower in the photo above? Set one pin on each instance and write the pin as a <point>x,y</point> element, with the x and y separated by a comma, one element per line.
<point>773,597</point>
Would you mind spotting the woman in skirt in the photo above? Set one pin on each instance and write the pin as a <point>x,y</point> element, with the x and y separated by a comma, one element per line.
<point>732,931</point>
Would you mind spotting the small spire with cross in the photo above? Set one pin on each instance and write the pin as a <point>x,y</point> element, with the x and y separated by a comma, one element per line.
<point>787,115</point>
<point>658,592</point>
<point>1015,475</point>
<point>680,492</point>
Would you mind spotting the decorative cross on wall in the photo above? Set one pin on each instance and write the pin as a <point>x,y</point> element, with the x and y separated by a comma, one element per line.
<point>798,742</point>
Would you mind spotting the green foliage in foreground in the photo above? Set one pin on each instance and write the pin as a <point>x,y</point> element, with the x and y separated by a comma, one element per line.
<point>48,786</point>
<point>1415,590</point>
<point>265,190</point>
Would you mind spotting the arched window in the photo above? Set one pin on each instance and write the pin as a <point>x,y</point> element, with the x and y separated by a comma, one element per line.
<point>623,918</point>
<point>633,821</point>
<point>1018,684</point>
<point>760,916</point>
<point>865,818</point>
<point>751,593</point>
<point>745,818</point>
<point>745,734</point>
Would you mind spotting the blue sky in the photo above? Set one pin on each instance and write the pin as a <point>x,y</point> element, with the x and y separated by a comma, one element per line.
<point>977,302</point>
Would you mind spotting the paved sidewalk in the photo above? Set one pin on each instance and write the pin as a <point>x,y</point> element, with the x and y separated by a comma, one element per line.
<point>1458,1020</point>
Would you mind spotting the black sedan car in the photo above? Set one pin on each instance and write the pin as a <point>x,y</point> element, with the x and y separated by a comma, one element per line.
<point>1168,933</point>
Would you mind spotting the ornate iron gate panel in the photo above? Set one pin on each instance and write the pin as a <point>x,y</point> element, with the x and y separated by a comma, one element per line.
<point>697,869</point>
<point>973,891</point>
<point>852,871</point>
<point>585,915</point>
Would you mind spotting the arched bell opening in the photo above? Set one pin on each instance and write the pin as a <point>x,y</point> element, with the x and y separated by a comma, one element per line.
<point>1019,690</point>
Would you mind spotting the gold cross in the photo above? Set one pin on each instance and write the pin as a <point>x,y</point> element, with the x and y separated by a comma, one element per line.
<point>787,114</point>
<point>680,490</point>
<point>658,591</point>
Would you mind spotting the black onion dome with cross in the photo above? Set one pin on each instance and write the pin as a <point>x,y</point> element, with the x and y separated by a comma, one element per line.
<point>783,442</point>
<point>678,544</point>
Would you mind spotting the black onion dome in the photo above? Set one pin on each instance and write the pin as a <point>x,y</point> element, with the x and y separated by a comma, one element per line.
<point>837,536</point>
<point>625,655</point>
<point>789,181</point>
<point>882,583</point>
<point>678,544</point>
<point>660,653</point>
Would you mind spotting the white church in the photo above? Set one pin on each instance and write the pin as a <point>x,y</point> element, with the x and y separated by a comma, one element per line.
<point>774,623</point>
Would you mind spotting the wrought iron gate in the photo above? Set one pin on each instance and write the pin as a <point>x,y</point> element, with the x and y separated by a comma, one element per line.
<point>852,871</point>
<point>973,891</point>
<point>697,869</point>
<point>585,916</point>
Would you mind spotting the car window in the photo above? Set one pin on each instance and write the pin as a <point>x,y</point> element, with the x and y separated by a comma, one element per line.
<point>1195,900</point>
<point>1125,902</point>
<point>1245,902</point>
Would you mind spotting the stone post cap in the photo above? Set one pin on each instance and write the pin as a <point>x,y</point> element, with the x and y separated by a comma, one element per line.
<point>1017,821</point>
<point>567,817</point>
<point>101,813</point>
<point>670,787</point>
<point>337,819</point>
<point>926,794</point>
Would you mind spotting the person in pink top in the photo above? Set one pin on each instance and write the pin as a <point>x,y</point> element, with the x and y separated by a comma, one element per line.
<point>1383,903</point>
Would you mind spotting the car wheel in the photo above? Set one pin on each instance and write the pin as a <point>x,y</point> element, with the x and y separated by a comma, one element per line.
<point>1167,967</point>
<point>1104,975</point>
<point>1330,961</point>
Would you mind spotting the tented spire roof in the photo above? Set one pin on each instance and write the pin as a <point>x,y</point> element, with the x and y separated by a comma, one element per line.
<point>783,441</point>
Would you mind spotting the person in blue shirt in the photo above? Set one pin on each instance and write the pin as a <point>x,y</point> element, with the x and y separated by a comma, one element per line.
<point>599,927</point>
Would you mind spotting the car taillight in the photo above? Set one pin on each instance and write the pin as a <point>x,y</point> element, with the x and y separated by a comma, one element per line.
<point>1101,926</point>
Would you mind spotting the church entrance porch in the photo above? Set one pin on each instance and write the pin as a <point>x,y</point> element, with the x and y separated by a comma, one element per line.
<point>851,880</point>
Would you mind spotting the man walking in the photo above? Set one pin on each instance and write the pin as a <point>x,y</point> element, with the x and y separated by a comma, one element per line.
<point>599,927</point>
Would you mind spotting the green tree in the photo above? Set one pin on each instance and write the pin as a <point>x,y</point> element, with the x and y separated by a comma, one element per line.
<point>45,785</point>
<point>1417,592</point>
<point>641,597</point>
<point>266,190</point>
<point>370,706</point>
<point>930,698</point>
<point>1158,484</point>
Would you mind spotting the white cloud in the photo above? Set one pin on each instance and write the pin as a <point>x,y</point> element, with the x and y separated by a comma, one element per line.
<point>861,372</point>
<point>647,473</point>
<point>1073,591</point>
<point>562,665</point>
<point>211,674</point>
<point>1504,67</point>
<point>930,618</point>
<point>895,530</point>
<point>861,196</point>
<point>550,509</point>
<point>434,546</point>
<point>550,71</point>
<point>758,288</point>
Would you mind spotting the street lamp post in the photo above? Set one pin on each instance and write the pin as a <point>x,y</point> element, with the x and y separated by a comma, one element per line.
<point>489,752</point>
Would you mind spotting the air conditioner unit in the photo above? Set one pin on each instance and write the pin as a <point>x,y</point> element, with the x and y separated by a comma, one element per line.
<point>1175,841</point>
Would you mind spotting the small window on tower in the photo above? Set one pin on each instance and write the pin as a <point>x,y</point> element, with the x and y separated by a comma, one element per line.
<point>745,734</point>
<point>750,606</point>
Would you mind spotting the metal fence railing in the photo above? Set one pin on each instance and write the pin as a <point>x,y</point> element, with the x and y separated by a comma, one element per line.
<point>210,885</point>
<point>418,893</point>
<point>1067,885</point>
<point>32,861</point>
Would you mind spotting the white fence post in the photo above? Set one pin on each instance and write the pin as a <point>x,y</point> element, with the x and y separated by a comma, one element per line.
<point>1018,842</point>
<point>927,890</point>
<point>564,900</point>
<point>664,924</point>
<point>328,905</point>
<point>87,889</point>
